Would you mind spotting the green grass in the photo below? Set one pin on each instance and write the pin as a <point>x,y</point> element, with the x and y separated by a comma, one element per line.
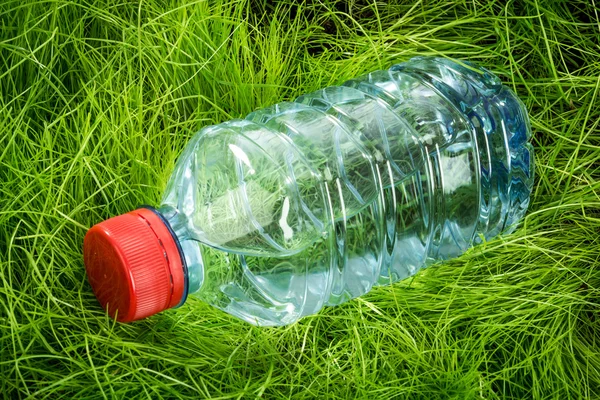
<point>97,99</point>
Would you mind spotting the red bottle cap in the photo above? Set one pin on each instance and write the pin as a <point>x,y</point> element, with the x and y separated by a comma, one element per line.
<point>134,265</point>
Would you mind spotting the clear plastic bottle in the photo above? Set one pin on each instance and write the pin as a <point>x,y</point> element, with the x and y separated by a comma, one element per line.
<point>313,202</point>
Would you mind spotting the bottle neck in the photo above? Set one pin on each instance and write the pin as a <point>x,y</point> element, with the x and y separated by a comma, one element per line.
<point>188,247</point>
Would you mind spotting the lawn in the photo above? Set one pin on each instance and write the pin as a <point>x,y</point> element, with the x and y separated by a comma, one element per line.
<point>97,100</point>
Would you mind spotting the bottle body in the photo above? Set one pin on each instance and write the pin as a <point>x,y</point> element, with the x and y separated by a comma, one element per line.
<point>313,202</point>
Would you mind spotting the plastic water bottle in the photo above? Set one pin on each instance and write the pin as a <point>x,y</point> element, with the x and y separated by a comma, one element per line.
<point>311,203</point>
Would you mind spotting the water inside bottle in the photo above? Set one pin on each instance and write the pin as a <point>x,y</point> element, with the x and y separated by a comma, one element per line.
<point>313,202</point>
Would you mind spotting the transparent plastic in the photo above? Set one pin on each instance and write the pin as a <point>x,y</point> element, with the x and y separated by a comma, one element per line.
<point>311,203</point>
